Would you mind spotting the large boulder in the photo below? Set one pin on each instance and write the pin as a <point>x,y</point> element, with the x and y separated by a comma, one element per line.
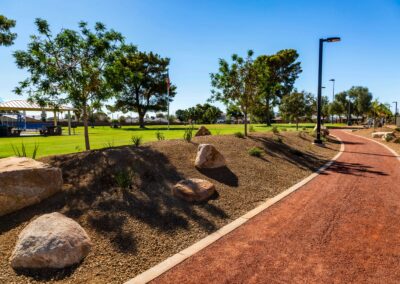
<point>324,130</point>
<point>193,189</point>
<point>50,241</point>
<point>208,157</point>
<point>203,131</point>
<point>24,182</point>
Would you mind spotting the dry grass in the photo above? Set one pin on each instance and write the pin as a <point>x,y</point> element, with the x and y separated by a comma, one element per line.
<point>133,229</point>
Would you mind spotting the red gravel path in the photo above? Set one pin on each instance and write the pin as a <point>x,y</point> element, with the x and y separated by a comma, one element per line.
<point>343,226</point>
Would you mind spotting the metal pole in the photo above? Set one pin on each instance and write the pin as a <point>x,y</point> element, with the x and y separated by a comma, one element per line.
<point>168,83</point>
<point>349,115</point>
<point>333,95</point>
<point>319,100</point>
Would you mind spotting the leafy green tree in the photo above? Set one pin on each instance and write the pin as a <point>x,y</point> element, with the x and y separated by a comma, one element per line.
<point>296,105</point>
<point>336,108</point>
<point>68,67</point>
<point>341,103</point>
<point>236,83</point>
<point>277,74</point>
<point>6,36</point>
<point>182,115</point>
<point>233,111</point>
<point>361,100</point>
<point>140,80</point>
<point>205,113</point>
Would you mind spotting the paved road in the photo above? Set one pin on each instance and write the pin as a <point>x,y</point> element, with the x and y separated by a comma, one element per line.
<point>342,227</point>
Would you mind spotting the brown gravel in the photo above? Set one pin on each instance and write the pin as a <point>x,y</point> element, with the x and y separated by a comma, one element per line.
<point>134,229</point>
<point>367,133</point>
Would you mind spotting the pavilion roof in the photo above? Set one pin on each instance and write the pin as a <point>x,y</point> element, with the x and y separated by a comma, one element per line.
<point>29,106</point>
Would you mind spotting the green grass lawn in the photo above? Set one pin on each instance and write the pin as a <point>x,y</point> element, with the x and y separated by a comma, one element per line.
<point>103,136</point>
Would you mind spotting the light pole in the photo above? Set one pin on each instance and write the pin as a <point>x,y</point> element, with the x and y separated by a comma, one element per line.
<point>168,86</point>
<point>333,94</point>
<point>349,115</point>
<point>319,100</point>
<point>395,113</point>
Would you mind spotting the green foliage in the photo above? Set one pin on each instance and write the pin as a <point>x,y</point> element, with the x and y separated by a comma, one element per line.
<point>21,152</point>
<point>68,67</point>
<point>251,129</point>
<point>283,129</point>
<point>140,78</point>
<point>239,134</point>
<point>136,141</point>
<point>255,152</point>
<point>275,129</point>
<point>6,36</point>
<point>188,134</point>
<point>278,139</point>
<point>160,136</point>
<point>297,104</point>
<point>109,144</point>
<point>123,179</point>
<point>233,111</point>
<point>397,140</point>
<point>397,129</point>
<point>200,114</point>
<point>389,138</point>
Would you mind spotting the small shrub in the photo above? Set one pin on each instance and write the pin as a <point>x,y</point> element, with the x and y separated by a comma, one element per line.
<point>283,129</point>
<point>109,144</point>
<point>397,140</point>
<point>389,138</point>
<point>188,134</point>
<point>78,148</point>
<point>304,128</point>
<point>275,130</point>
<point>397,129</point>
<point>22,152</point>
<point>218,132</point>
<point>239,134</point>
<point>136,140</point>
<point>278,139</point>
<point>251,129</point>
<point>123,179</point>
<point>160,136</point>
<point>255,152</point>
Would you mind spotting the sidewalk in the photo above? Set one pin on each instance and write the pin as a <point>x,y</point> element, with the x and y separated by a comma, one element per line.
<point>343,226</point>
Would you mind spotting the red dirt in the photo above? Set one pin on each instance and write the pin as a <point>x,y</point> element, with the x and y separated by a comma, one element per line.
<point>343,226</point>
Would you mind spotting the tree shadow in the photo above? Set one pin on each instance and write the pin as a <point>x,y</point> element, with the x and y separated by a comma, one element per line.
<point>223,175</point>
<point>47,274</point>
<point>355,169</point>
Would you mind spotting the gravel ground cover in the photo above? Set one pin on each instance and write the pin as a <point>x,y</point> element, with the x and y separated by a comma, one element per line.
<point>367,133</point>
<point>135,228</point>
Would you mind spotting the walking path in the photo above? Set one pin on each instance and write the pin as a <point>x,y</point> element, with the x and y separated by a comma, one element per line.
<point>343,226</point>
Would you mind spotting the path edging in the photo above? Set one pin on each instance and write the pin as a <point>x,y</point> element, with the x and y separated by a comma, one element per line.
<point>179,257</point>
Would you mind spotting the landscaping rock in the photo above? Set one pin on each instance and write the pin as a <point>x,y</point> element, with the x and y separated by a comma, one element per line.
<point>193,189</point>
<point>324,130</point>
<point>209,157</point>
<point>50,241</point>
<point>380,134</point>
<point>24,182</point>
<point>203,131</point>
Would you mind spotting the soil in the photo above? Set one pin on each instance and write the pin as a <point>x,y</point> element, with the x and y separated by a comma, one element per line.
<point>392,144</point>
<point>136,227</point>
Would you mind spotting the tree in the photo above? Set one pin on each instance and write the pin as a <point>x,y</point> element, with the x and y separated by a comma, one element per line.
<point>341,103</point>
<point>68,67</point>
<point>236,83</point>
<point>296,105</point>
<point>205,113</point>
<point>234,111</point>
<point>336,108</point>
<point>140,80</point>
<point>182,115</point>
<point>6,36</point>
<point>362,100</point>
<point>276,76</point>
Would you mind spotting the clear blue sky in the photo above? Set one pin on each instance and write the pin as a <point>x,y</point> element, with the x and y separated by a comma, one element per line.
<point>194,34</point>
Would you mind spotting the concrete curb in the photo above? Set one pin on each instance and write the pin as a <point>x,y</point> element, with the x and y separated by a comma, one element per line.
<point>384,145</point>
<point>174,260</point>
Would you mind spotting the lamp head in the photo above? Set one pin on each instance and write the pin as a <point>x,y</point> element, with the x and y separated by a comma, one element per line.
<point>333,39</point>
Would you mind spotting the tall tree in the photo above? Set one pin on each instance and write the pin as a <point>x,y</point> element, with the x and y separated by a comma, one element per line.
<point>361,100</point>
<point>236,83</point>
<point>296,105</point>
<point>276,77</point>
<point>6,36</point>
<point>68,67</point>
<point>140,80</point>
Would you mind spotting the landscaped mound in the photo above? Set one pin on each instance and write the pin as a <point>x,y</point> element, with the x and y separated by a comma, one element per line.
<point>122,198</point>
<point>388,135</point>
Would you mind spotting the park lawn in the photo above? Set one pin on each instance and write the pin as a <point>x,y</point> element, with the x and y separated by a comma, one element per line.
<point>104,136</point>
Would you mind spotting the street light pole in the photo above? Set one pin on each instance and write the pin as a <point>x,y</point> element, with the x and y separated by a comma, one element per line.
<point>333,95</point>
<point>395,113</point>
<point>319,99</point>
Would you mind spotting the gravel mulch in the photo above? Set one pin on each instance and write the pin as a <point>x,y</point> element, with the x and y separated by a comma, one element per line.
<point>133,229</point>
<point>367,133</point>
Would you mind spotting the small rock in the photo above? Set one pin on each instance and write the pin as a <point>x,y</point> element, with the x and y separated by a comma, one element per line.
<point>193,189</point>
<point>50,241</point>
<point>24,182</point>
<point>209,157</point>
<point>203,131</point>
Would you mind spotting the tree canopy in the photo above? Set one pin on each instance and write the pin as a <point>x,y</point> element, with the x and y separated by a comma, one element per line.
<point>6,36</point>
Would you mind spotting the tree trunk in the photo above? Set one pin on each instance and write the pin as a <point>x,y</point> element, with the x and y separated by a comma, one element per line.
<point>297,123</point>
<point>268,113</point>
<point>85,127</point>
<point>245,124</point>
<point>141,120</point>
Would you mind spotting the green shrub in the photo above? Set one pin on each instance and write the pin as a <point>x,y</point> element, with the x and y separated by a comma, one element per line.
<point>123,179</point>
<point>283,129</point>
<point>251,129</point>
<point>188,134</point>
<point>239,134</point>
<point>275,129</point>
<point>397,129</point>
<point>22,152</point>
<point>304,128</point>
<point>136,140</point>
<point>255,152</point>
<point>109,144</point>
<point>389,138</point>
<point>278,139</point>
<point>397,140</point>
<point>160,136</point>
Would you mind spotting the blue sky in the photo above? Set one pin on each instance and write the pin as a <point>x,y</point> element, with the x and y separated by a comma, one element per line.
<point>194,34</point>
